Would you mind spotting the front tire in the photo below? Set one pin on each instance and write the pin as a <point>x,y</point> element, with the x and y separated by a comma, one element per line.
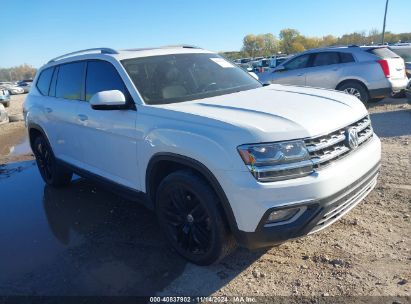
<point>355,89</point>
<point>190,215</point>
<point>51,171</point>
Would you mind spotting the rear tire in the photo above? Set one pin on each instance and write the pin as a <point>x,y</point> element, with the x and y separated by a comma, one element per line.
<point>7,104</point>
<point>356,89</point>
<point>191,217</point>
<point>53,173</point>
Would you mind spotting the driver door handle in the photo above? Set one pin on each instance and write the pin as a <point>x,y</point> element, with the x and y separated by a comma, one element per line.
<point>49,110</point>
<point>82,117</point>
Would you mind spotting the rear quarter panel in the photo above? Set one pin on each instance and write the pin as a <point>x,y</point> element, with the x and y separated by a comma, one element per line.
<point>368,72</point>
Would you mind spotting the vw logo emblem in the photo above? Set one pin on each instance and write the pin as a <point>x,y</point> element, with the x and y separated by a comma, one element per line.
<point>351,138</point>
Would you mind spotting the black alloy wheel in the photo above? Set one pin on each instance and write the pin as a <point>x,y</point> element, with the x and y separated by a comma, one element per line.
<point>191,218</point>
<point>52,173</point>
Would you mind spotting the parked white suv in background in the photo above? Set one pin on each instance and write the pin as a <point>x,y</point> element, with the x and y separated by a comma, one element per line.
<point>221,158</point>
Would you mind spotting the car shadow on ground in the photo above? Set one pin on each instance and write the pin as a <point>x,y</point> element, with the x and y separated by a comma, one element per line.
<point>85,240</point>
<point>392,124</point>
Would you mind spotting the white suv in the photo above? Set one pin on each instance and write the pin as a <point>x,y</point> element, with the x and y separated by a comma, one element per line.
<point>222,159</point>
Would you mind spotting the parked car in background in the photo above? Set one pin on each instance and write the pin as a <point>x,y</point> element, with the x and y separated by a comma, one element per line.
<point>404,51</point>
<point>263,65</point>
<point>12,88</point>
<point>247,67</point>
<point>254,65</point>
<point>369,73</point>
<point>25,85</point>
<point>408,92</point>
<point>277,60</point>
<point>4,96</point>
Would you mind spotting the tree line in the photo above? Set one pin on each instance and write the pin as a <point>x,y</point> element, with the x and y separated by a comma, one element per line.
<point>291,41</point>
<point>23,71</point>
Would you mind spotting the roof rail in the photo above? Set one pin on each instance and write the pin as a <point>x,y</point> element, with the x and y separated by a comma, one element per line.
<point>185,46</point>
<point>102,51</point>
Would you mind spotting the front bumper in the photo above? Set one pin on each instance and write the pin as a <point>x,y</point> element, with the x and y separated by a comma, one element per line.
<point>317,215</point>
<point>251,202</point>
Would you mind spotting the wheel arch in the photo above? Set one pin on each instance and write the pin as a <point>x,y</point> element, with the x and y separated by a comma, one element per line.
<point>359,81</point>
<point>162,164</point>
<point>35,130</point>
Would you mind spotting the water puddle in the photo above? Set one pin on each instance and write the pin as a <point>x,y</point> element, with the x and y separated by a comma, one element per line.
<point>21,148</point>
<point>77,240</point>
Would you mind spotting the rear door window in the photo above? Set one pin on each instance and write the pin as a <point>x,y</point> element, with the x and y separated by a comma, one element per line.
<point>102,76</point>
<point>298,63</point>
<point>346,57</point>
<point>43,83</point>
<point>326,58</point>
<point>69,80</point>
<point>383,53</point>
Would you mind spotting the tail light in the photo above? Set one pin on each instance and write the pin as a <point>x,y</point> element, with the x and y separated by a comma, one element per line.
<point>385,67</point>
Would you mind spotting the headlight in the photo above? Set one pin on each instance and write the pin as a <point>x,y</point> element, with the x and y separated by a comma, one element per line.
<point>277,161</point>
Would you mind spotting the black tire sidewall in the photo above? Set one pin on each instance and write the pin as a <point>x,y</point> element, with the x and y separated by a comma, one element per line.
<point>41,141</point>
<point>363,92</point>
<point>209,201</point>
<point>59,176</point>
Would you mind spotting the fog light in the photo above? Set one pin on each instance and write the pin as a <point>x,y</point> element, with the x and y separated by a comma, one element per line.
<point>282,215</point>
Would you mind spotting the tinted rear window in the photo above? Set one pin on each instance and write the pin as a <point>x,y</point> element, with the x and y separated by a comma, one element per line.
<point>299,62</point>
<point>326,58</point>
<point>346,57</point>
<point>383,53</point>
<point>43,83</point>
<point>69,80</point>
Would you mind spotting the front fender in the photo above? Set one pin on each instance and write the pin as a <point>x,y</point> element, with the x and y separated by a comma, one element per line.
<point>199,147</point>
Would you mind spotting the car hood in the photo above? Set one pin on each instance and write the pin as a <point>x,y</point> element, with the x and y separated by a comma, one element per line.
<point>279,112</point>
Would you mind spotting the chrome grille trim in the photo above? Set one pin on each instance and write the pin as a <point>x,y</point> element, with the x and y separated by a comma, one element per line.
<point>327,148</point>
<point>335,139</point>
<point>330,155</point>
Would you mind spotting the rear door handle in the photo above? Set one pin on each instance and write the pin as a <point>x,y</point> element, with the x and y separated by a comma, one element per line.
<point>82,117</point>
<point>302,74</point>
<point>49,110</point>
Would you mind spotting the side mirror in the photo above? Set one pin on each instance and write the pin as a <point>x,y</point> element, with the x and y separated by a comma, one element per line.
<point>108,100</point>
<point>280,68</point>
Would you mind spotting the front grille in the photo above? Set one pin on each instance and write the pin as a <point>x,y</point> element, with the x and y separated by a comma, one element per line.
<point>327,148</point>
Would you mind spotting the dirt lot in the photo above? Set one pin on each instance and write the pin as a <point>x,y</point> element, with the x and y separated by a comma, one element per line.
<point>14,133</point>
<point>367,253</point>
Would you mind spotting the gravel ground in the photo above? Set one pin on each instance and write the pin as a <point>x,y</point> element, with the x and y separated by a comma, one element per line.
<point>367,253</point>
<point>13,133</point>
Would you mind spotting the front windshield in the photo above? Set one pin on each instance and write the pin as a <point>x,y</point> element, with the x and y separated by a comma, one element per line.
<point>183,77</point>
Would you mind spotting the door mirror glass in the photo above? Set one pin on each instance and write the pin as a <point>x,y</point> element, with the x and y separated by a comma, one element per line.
<point>108,100</point>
